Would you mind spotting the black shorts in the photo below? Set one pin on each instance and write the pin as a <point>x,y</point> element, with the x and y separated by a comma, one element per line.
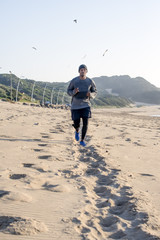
<point>81,113</point>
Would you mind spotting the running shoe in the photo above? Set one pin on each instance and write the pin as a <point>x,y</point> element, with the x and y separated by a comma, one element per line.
<point>82,143</point>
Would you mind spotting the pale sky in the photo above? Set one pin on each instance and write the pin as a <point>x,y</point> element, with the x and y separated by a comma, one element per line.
<point>129,29</point>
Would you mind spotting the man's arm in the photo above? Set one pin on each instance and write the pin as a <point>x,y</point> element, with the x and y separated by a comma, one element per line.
<point>71,90</point>
<point>93,90</point>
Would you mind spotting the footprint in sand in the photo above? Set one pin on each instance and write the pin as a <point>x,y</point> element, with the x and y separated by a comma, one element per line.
<point>45,136</point>
<point>105,180</point>
<point>95,164</point>
<point>3,193</point>
<point>125,207</point>
<point>57,130</point>
<point>117,210</point>
<point>118,235</point>
<point>17,176</point>
<point>126,191</point>
<point>55,187</point>
<point>108,222</point>
<point>37,167</point>
<point>38,150</point>
<point>116,170</point>
<point>69,173</point>
<point>103,204</point>
<point>43,145</point>
<point>85,230</point>
<point>111,137</point>
<point>146,175</point>
<point>128,140</point>
<point>28,165</point>
<point>102,191</point>
<point>21,226</point>
<point>85,159</point>
<point>76,220</point>
<point>138,144</point>
<point>47,157</point>
<point>53,131</point>
<point>92,171</point>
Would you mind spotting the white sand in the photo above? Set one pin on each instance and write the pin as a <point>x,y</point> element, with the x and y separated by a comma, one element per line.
<point>51,188</point>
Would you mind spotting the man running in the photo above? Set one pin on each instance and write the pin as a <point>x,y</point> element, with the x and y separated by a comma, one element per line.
<point>81,89</point>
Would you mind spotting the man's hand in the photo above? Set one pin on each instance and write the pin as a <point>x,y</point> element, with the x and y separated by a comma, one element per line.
<point>76,90</point>
<point>88,94</point>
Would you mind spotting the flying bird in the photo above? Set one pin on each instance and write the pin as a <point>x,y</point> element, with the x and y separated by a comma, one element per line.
<point>34,48</point>
<point>75,20</point>
<point>84,56</point>
<point>105,52</point>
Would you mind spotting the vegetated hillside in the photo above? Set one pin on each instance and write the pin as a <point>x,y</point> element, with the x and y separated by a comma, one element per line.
<point>137,89</point>
<point>4,91</point>
<point>111,101</point>
<point>26,86</point>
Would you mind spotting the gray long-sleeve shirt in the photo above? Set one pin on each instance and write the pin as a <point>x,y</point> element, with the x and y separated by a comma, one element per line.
<point>80,99</point>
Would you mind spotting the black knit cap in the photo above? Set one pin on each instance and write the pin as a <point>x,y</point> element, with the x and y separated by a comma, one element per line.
<point>82,66</point>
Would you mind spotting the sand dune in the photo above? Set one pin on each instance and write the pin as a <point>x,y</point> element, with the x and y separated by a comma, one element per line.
<point>52,188</point>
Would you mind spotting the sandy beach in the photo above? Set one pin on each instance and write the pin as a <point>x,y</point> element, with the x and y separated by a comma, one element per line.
<point>52,188</point>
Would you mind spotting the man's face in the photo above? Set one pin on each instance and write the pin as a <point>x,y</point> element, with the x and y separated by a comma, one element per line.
<point>83,72</point>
